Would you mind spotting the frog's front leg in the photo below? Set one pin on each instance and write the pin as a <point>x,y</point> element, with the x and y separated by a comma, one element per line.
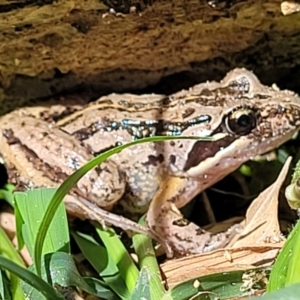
<point>166,221</point>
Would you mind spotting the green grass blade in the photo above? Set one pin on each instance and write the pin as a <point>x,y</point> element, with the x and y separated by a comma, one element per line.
<point>68,184</point>
<point>8,251</point>
<point>148,263</point>
<point>142,288</point>
<point>19,226</point>
<point>102,261</point>
<point>7,194</point>
<point>5,292</point>
<point>60,268</point>
<point>293,272</point>
<point>101,289</point>
<point>120,256</point>
<point>32,206</point>
<point>43,287</point>
<point>286,268</point>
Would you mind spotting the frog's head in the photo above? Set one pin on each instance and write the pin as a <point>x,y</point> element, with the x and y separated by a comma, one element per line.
<point>251,119</point>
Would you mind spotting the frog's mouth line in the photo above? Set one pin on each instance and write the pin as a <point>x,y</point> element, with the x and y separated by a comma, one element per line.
<point>229,153</point>
<point>205,149</point>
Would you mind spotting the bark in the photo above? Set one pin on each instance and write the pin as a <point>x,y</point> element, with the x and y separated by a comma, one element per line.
<point>47,48</point>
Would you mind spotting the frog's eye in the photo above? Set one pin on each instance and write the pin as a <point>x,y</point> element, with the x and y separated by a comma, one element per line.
<point>241,121</point>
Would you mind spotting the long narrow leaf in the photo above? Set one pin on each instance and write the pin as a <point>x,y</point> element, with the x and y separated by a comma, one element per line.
<point>149,267</point>
<point>293,272</point>
<point>43,287</point>
<point>68,184</point>
<point>120,256</point>
<point>5,292</point>
<point>283,270</point>
<point>142,288</point>
<point>100,258</point>
<point>59,268</point>
<point>8,251</point>
<point>58,232</point>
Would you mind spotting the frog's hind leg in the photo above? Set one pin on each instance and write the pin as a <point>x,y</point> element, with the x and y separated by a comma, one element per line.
<point>85,209</point>
<point>166,221</point>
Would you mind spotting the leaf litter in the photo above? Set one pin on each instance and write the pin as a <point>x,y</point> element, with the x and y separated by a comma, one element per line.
<point>256,246</point>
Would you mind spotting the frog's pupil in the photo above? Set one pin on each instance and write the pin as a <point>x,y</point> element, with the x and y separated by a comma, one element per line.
<point>244,121</point>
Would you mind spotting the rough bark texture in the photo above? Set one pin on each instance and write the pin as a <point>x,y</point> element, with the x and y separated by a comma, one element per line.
<point>46,49</point>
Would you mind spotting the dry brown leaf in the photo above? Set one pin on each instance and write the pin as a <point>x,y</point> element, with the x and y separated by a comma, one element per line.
<point>258,245</point>
<point>232,259</point>
<point>261,224</point>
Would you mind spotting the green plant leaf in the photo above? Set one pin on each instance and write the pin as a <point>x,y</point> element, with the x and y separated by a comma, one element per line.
<point>100,289</point>
<point>286,268</point>
<point>148,263</point>
<point>215,286</point>
<point>5,286</point>
<point>101,260</point>
<point>29,277</point>
<point>59,268</point>
<point>7,250</point>
<point>120,256</point>
<point>32,206</point>
<point>7,193</point>
<point>291,292</point>
<point>142,288</point>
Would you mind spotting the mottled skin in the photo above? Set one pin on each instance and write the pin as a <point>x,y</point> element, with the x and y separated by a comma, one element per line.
<point>244,116</point>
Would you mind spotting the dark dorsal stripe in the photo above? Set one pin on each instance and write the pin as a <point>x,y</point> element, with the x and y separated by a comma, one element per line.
<point>140,129</point>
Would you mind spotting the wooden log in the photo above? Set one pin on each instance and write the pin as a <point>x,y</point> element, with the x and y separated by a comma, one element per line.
<point>47,48</point>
